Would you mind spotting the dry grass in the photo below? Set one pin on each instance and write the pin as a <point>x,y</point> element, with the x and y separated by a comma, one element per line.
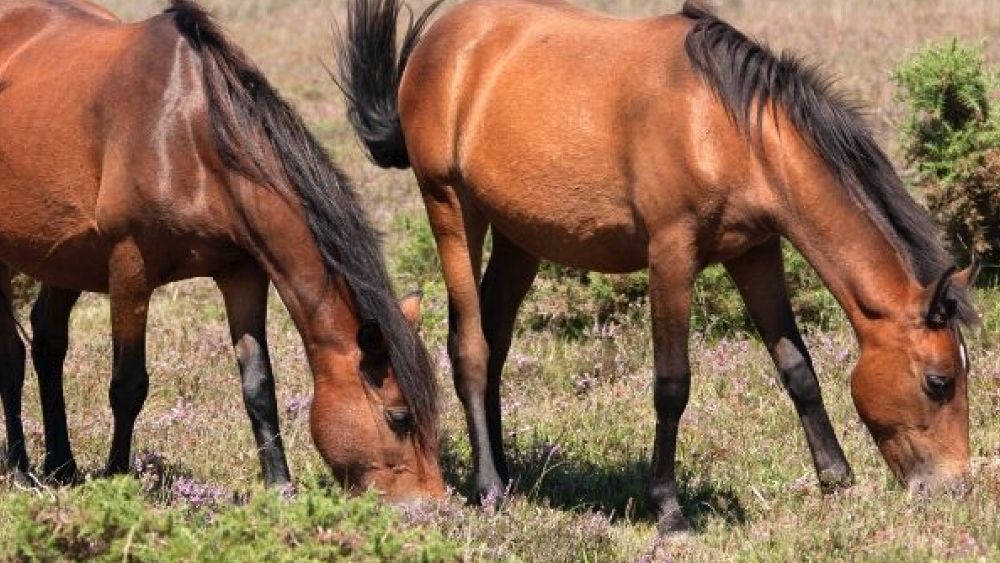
<point>579,417</point>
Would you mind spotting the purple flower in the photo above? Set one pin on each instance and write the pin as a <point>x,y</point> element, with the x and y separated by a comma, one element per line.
<point>149,467</point>
<point>179,413</point>
<point>297,404</point>
<point>196,494</point>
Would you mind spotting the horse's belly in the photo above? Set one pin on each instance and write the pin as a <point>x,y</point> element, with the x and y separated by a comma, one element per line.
<point>63,253</point>
<point>573,225</point>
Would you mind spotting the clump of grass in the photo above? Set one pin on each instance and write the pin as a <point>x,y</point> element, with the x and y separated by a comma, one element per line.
<point>111,520</point>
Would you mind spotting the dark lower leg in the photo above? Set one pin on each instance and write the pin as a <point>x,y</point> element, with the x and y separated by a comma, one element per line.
<point>50,327</point>
<point>129,381</point>
<point>670,399</point>
<point>469,356</point>
<point>799,378</point>
<point>261,404</point>
<point>11,378</point>
<point>245,294</point>
<point>12,358</point>
<point>508,278</point>
<point>671,275</point>
<point>129,387</point>
<point>759,275</point>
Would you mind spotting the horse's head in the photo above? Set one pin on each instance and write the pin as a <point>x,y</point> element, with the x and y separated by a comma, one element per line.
<point>365,429</point>
<point>910,387</point>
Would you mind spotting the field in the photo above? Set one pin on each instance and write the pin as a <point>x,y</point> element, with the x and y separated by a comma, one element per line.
<point>577,395</point>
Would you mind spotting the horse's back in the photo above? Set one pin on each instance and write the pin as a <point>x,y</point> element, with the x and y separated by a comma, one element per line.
<point>537,107</point>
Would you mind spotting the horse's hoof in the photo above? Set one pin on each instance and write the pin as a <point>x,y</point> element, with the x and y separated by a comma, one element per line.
<point>490,496</point>
<point>835,479</point>
<point>21,479</point>
<point>64,474</point>
<point>673,524</point>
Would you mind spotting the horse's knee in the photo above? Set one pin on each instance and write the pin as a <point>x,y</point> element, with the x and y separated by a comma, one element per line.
<point>671,393</point>
<point>797,374</point>
<point>258,394</point>
<point>128,393</point>
<point>469,357</point>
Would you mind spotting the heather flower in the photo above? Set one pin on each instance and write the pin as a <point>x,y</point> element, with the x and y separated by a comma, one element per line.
<point>150,468</point>
<point>181,412</point>
<point>197,495</point>
<point>297,404</point>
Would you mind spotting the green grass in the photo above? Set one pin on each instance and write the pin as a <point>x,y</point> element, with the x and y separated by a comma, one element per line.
<point>111,520</point>
<point>577,404</point>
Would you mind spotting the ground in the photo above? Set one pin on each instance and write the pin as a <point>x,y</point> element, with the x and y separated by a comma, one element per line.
<point>577,403</point>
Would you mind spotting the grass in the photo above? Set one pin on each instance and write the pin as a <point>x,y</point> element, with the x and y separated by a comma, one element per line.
<point>578,410</point>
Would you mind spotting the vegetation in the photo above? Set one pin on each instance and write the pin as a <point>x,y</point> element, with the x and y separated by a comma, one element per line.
<point>577,401</point>
<point>111,520</point>
<point>951,134</point>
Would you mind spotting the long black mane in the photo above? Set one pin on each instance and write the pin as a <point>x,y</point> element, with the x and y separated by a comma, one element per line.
<point>748,77</point>
<point>260,136</point>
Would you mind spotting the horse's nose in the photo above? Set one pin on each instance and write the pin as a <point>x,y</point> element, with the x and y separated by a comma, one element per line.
<point>948,482</point>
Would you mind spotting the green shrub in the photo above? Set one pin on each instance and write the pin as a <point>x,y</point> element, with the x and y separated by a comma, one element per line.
<point>951,135</point>
<point>414,259</point>
<point>111,520</point>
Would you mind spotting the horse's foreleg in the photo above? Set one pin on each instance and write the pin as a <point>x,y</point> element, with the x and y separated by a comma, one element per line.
<point>759,274</point>
<point>50,341</point>
<point>671,273</point>
<point>507,280</point>
<point>129,294</point>
<point>12,356</point>
<point>459,233</point>
<point>245,294</point>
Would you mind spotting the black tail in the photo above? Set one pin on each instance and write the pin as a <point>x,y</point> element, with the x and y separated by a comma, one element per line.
<point>369,71</point>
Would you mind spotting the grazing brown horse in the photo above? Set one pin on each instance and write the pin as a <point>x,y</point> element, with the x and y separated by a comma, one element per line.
<point>135,155</point>
<point>668,143</point>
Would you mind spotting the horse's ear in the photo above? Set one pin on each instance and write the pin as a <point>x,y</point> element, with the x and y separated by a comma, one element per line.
<point>967,277</point>
<point>939,306</point>
<point>411,308</point>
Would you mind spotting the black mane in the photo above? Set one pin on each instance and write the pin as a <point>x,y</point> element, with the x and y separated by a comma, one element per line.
<point>748,77</point>
<point>260,136</point>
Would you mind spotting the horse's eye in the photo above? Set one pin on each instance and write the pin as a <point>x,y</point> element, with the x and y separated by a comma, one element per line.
<point>400,419</point>
<point>938,387</point>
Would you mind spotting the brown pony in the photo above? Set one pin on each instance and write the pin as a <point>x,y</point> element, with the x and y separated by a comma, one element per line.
<point>135,155</point>
<point>669,143</point>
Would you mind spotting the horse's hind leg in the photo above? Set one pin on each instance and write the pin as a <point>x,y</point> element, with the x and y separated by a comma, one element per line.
<point>459,231</point>
<point>129,294</point>
<point>759,274</point>
<point>507,280</point>
<point>50,330</point>
<point>12,356</point>
<point>245,293</point>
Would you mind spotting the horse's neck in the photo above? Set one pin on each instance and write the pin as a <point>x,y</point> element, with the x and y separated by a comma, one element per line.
<point>276,233</point>
<point>859,264</point>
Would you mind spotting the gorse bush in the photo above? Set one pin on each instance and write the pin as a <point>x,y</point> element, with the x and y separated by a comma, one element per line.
<point>951,135</point>
<point>112,520</point>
